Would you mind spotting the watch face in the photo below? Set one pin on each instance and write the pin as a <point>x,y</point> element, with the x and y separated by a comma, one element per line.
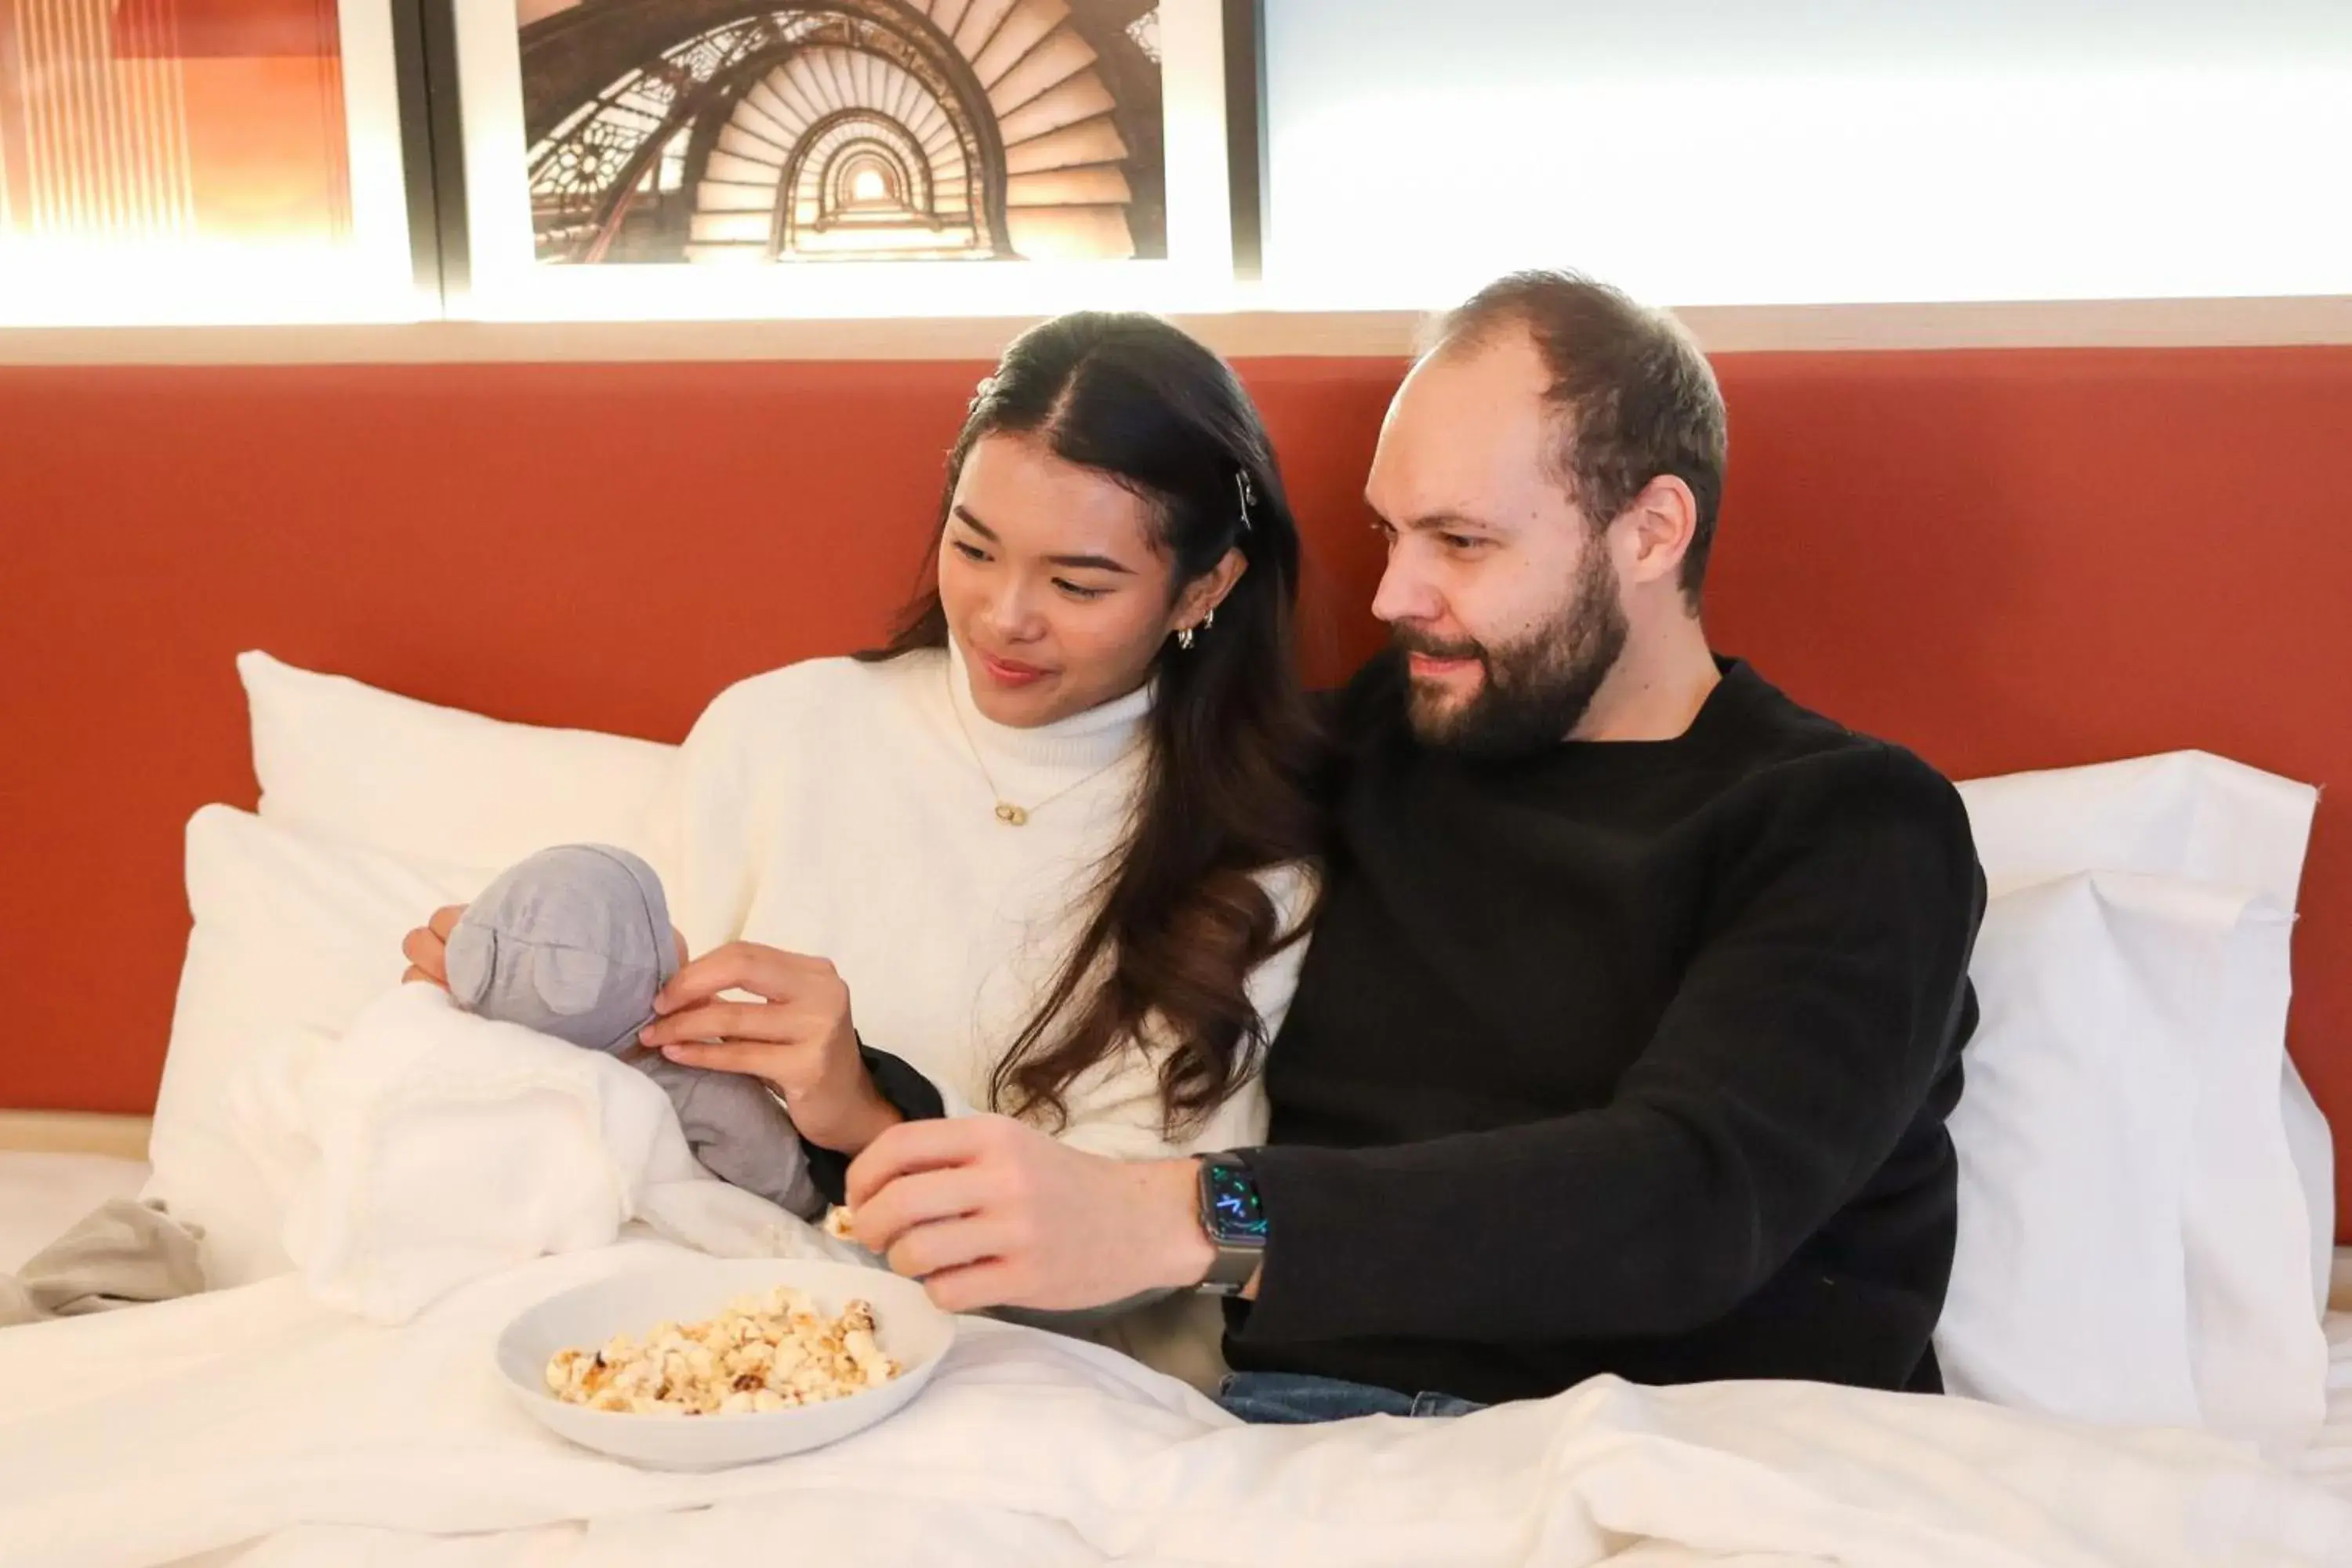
<point>1236,1217</point>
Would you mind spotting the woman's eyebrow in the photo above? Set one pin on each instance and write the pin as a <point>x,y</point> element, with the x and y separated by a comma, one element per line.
<point>1096,562</point>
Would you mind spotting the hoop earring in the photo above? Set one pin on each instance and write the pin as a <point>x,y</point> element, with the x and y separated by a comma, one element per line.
<point>1208,620</point>
<point>1184,639</point>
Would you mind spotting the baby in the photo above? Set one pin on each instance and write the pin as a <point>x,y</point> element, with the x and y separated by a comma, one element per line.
<point>575,942</point>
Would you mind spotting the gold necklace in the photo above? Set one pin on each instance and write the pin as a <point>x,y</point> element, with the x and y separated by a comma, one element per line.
<point>1007,813</point>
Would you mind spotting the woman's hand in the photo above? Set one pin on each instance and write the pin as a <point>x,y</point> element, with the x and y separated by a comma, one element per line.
<point>797,1036</point>
<point>427,947</point>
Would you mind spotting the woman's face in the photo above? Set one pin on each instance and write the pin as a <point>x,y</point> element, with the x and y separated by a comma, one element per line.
<point>1054,585</point>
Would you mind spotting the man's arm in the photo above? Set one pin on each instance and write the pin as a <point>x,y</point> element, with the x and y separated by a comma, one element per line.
<point>1804,1040</point>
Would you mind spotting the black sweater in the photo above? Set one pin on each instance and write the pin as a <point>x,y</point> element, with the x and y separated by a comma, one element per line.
<point>1628,1058</point>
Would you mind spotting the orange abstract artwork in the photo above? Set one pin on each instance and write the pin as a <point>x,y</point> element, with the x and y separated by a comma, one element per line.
<point>141,123</point>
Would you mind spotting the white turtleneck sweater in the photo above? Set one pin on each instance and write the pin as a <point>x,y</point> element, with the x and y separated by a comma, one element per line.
<point>837,809</point>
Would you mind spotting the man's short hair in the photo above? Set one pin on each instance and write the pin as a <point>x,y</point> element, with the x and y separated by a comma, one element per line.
<point>1633,395</point>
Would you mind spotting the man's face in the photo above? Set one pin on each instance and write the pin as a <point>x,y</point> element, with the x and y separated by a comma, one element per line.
<point>1499,595</point>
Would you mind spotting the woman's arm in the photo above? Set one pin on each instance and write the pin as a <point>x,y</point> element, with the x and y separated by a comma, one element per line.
<point>708,841</point>
<point>1114,1108</point>
<point>1115,1111</point>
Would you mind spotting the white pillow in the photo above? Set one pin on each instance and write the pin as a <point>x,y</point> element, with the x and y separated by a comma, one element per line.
<point>342,760</point>
<point>2309,1141</point>
<point>2255,1343</point>
<point>2072,1133</point>
<point>292,934</point>
<point>2201,818</point>
<point>2125,1250</point>
<point>2189,815</point>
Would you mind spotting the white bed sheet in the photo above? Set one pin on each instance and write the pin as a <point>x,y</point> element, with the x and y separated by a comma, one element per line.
<point>193,1428</point>
<point>905,1530</point>
<point>42,1195</point>
<point>1708,1477</point>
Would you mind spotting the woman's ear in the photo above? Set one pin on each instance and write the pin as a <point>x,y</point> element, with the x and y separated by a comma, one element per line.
<point>1201,598</point>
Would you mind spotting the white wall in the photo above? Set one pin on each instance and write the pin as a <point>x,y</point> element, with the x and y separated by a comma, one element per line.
<point>1779,151</point>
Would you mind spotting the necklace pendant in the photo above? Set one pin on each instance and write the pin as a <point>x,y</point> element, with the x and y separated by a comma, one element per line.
<point>1010,814</point>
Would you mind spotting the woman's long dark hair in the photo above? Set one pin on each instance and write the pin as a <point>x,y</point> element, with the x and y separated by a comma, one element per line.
<point>1181,919</point>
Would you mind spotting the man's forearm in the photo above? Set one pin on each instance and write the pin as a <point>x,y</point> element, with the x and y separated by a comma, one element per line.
<point>1178,1251</point>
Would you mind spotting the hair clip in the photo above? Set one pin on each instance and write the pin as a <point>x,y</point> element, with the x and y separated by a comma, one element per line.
<point>1248,494</point>
<point>979,393</point>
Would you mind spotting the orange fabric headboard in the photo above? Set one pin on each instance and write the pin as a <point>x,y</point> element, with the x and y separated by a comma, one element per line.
<point>2004,559</point>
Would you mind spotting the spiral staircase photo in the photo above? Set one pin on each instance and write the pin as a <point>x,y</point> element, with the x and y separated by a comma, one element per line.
<point>751,132</point>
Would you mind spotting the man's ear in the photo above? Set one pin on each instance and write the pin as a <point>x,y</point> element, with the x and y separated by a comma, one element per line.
<point>1661,519</point>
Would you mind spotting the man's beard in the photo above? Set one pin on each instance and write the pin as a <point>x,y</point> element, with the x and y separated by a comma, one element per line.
<point>1536,690</point>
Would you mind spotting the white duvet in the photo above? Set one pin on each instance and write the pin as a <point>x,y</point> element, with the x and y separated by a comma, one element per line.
<point>267,1427</point>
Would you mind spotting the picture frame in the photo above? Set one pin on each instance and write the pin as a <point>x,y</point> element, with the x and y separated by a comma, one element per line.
<point>627,159</point>
<point>205,161</point>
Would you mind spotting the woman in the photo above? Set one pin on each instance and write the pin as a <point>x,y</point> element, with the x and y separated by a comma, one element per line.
<point>1046,848</point>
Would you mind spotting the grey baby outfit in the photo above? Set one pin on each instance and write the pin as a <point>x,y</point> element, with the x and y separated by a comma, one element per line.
<point>573,943</point>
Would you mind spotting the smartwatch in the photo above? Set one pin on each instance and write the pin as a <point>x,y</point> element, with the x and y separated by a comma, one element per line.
<point>1235,1218</point>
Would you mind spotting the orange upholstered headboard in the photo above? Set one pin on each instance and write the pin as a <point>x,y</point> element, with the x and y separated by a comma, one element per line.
<point>2005,559</point>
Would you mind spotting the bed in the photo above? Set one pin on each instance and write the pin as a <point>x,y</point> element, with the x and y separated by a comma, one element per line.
<point>2133,1340</point>
<point>255,1424</point>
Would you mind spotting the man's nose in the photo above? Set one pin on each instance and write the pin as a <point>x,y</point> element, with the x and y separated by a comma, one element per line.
<point>1403,594</point>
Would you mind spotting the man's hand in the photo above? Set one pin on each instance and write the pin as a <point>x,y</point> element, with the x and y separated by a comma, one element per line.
<point>798,1038</point>
<point>989,1213</point>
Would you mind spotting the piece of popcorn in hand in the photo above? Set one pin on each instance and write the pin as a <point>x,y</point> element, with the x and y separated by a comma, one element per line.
<point>841,1225</point>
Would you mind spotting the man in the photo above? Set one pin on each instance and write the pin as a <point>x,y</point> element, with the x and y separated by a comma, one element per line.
<point>1634,1009</point>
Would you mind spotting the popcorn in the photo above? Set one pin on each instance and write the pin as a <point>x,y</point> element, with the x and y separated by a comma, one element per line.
<point>840,1224</point>
<point>764,1352</point>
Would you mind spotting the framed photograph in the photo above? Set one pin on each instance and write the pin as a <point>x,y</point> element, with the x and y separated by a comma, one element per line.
<point>628,159</point>
<point>202,161</point>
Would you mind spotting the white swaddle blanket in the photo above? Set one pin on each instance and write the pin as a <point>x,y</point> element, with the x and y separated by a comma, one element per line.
<point>428,1148</point>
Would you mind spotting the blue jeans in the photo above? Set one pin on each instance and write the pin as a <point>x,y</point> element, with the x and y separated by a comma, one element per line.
<point>1294,1399</point>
